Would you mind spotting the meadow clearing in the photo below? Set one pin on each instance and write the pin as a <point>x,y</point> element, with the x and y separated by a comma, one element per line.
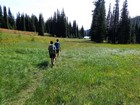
<point>85,73</point>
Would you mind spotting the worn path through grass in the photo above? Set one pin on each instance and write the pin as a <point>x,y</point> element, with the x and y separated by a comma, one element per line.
<point>24,95</point>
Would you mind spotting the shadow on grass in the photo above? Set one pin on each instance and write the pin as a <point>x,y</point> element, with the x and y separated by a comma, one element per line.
<point>43,65</point>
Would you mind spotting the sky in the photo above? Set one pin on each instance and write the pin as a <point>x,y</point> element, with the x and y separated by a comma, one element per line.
<point>79,10</point>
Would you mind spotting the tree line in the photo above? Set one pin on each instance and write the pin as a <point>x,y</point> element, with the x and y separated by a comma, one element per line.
<point>116,27</point>
<point>57,25</point>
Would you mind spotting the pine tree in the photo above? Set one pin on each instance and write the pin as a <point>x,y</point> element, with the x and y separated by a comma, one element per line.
<point>82,32</point>
<point>33,26</point>
<point>137,33</point>
<point>97,30</point>
<point>1,17</point>
<point>58,24</point>
<point>138,36</point>
<point>50,26</point>
<point>29,24</point>
<point>108,23</point>
<point>111,29</point>
<point>63,24</point>
<point>70,30</point>
<point>47,26</point>
<point>93,29</point>
<point>36,23</point>
<point>18,22</point>
<point>23,26</point>
<point>115,23</point>
<point>66,27</point>
<point>74,29</point>
<point>133,32</point>
<point>41,25</point>
<point>124,27</point>
<point>77,32</point>
<point>54,24</point>
<point>5,24</point>
<point>11,20</point>
<point>102,28</point>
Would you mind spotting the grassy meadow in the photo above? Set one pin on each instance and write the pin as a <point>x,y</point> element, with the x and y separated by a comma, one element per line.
<point>85,73</point>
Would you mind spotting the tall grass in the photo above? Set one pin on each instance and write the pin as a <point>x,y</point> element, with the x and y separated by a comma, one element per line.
<point>84,74</point>
<point>20,61</point>
<point>92,75</point>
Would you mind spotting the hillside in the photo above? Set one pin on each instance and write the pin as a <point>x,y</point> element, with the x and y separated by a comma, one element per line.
<point>2,30</point>
<point>84,74</point>
<point>135,20</point>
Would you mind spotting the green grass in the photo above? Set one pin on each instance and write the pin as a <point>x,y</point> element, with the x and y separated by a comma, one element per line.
<point>84,74</point>
<point>20,61</point>
<point>92,75</point>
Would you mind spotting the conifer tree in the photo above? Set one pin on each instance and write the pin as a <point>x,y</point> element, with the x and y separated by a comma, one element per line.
<point>77,32</point>
<point>54,24</point>
<point>137,33</point>
<point>5,24</point>
<point>70,30</point>
<point>74,29</point>
<point>115,23</point>
<point>97,30</point>
<point>41,25</point>
<point>93,29</point>
<point>138,36</point>
<point>29,24</point>
<point>102,23</point>
<point>36,22</point>
<point>58,24</point>
<point>66,27</point>
<point>108,23</point>
<point>124,27</point>
<point>50,26</point>
<point>1,17</point>
<point>33,26</point>
<point>18,22</point>
<point>63,24</point>
<point>11,20</point>
<point>111,29</point>
<point>133,32</point>
<point>23,25</point>
<point>82,32</point>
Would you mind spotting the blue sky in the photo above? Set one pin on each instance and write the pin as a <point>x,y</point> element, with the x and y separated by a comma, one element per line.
<point>79,10</point>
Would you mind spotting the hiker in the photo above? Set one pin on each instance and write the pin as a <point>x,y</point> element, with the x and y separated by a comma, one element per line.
<point>52,52</point>
<point>58,48</point>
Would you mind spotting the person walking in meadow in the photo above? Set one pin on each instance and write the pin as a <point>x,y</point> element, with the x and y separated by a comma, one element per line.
<point>58,48</point>
<point>52,52</point>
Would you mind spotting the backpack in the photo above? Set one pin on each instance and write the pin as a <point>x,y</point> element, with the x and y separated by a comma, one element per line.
<point>52,49</point>
<point>57,45</point>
